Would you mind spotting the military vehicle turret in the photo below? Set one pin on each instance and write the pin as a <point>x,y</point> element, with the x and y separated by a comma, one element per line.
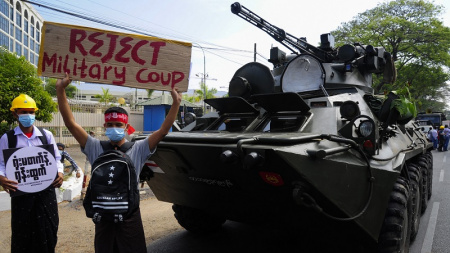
<point>306,144</point>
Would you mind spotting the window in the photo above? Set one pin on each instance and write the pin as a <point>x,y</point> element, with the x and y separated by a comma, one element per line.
<point>4,24</point>
<point>38,32</point>
<point>11,13</point>
<point>32,57</point>
<point>18,49</point>
<point>4,8</point>
<point>11,29</point>
<point>25,40</point>
<point>37,48</point>
<point>25,26</point>
<point>31,45</point>
<point>25,53</point>
<point>18,34</point>
<point>4,40</point>
<point>18,19</point>
<point>11,45</point>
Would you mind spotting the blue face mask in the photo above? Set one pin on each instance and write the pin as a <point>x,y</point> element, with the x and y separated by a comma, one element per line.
<point>115,134</point>
<point>26,120</point>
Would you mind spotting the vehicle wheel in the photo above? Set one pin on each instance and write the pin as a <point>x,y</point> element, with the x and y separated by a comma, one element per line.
<point>395,231</point>
<point>430,173</point>
<point>195,220</point>
<point>422,161</point>
<point>415,183</point>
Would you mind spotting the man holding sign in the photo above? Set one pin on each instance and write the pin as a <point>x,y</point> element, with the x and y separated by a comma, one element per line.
<point>28,174</point>
<point>126,235</point>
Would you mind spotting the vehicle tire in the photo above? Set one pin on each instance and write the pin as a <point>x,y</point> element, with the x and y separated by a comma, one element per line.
<point>395,235</point>
<point>430,173</point>
<point>422,161</point>
<point>195,220</point>
<point>415,183</point>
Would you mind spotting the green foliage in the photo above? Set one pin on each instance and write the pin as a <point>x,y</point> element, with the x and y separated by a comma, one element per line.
<point>417,39</point>
<point>50,87</point>
<point>205,90</point>
<point>106,97</point>
<point>403,104</point>
<point>149,93</point>
<point>4,127</point>
<point>18,76</point>
<point>191,99</point>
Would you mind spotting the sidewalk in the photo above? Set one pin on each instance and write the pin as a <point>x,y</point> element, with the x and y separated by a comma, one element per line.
<point>5,201</point>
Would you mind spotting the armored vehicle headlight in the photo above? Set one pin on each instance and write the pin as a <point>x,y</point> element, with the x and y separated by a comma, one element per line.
<point>366,128</point>
<point>189,118</point>
<point>349,110</point>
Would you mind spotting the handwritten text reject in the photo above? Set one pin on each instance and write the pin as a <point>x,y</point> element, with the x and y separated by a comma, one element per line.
<point>100,56</point>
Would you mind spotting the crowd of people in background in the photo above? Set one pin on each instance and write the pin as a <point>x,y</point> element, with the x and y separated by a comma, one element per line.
<point>439,137</point>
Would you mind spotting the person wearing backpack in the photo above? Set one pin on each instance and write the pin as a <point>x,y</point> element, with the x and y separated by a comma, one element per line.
<point>34,216</point>
<point>123,233</point>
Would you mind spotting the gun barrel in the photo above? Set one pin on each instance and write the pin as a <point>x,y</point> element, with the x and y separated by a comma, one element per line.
<point>278,34</point>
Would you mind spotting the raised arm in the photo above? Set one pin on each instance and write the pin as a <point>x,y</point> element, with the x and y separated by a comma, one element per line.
<point>159,134</point>
<point>75,129</point>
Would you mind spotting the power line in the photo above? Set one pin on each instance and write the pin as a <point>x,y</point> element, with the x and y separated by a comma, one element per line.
<point>138,30</point>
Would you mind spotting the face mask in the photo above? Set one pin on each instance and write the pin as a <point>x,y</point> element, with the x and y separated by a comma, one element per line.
<point>60,152</point>
<point>26,120</point>
<point>115,134</point>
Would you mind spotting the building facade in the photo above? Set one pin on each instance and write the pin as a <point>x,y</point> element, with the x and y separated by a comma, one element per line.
<point>20,29</point>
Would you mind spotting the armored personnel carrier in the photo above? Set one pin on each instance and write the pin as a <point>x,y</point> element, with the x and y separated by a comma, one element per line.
<point>306,144</point>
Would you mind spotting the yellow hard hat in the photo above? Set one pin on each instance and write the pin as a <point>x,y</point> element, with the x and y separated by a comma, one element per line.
<point>23,101</point>
<point>441,127</point>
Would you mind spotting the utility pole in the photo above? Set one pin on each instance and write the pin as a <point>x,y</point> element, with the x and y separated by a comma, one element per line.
<point>254,54</point>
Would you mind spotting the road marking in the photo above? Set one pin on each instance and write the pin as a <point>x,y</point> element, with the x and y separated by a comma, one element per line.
<point>441,176</point>
<point>428,241</point>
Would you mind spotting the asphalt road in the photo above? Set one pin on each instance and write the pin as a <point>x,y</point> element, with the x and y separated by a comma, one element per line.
<point>433,235</point>
<point>434,229</point>
<point>235,237</point>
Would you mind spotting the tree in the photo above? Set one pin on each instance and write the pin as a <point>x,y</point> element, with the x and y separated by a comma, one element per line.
<point>18,76</point>
<point>50,87</point>
<point>205,90</point>
<point>149,93</point>
<point>417,39</point>
<point>106,97</point>
<point>191,99</point>
<point>205,93</point>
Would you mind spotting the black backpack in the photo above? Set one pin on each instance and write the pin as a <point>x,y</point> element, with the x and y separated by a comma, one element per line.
<point>112,193</point>
<point>12,138</point>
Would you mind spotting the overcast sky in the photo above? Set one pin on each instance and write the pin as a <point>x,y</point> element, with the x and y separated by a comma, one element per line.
<point>210,24</point>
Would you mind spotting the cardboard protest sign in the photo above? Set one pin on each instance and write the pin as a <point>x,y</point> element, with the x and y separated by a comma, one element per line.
<point>100,56</point>
<point>34,168</point>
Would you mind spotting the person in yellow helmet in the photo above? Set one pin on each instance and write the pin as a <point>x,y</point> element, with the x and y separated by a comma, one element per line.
<point>34,216</point>
<point>441,138</point>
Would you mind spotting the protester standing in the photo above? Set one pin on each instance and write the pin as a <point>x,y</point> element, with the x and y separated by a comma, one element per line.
<point>34,216</point>
<point>126,236</point>
<point>446,137</point>
<point>433,135</point>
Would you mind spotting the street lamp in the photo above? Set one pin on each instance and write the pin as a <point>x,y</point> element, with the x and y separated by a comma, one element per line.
<point>204,75</point>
